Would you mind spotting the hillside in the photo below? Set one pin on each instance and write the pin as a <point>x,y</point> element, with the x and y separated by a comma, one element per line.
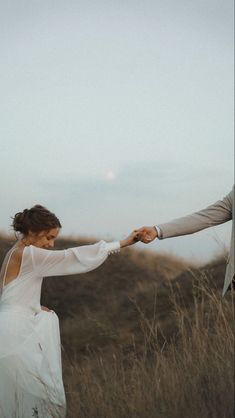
<point>144,336</point>
<point>106,306</point>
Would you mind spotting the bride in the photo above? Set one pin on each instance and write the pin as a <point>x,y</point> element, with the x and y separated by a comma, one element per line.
<point>31,382</point>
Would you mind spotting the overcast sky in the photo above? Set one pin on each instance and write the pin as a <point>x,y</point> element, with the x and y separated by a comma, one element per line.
<point>116,114</point>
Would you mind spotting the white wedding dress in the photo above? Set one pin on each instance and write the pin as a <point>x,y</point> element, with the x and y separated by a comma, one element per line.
<point>31,383</point>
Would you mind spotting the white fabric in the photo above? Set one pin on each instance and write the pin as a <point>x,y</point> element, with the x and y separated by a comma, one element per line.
<point>31,382</point>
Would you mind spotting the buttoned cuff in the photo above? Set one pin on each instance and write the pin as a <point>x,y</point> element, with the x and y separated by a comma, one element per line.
<point>159,232</point>
<point>113,247</point>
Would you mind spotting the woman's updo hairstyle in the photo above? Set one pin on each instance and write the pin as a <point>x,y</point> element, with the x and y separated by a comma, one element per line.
<point>36,219</point>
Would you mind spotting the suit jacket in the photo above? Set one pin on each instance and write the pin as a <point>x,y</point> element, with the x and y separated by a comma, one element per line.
<point>218,213</point>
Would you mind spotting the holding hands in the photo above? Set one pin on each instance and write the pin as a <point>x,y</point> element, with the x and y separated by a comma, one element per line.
<point>130,240</point>
<point>146,234</point>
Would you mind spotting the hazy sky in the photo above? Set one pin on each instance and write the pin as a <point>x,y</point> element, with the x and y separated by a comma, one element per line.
<point>116,114</point>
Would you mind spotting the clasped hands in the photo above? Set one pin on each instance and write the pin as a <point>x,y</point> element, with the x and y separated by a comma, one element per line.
<point>146,234</point>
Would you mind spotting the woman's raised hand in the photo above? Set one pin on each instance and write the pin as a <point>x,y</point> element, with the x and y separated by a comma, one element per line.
<point>130,240</point>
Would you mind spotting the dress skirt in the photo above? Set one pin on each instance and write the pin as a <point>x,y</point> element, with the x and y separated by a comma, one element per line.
<point>31,382</point>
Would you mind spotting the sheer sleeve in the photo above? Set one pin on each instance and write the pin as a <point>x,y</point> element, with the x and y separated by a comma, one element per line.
<point>73,260</point>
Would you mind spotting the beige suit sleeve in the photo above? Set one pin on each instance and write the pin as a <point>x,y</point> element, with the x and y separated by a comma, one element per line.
<point>218,213</point>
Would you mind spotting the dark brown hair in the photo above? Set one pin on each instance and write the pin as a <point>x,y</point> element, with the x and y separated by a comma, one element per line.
<point>36,219</point>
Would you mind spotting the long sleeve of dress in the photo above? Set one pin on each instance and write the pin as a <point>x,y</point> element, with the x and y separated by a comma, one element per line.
<point>73,260</point>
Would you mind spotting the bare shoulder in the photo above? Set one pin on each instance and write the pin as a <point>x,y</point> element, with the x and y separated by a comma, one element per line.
<point>13,263</point>
<point>13,254</point>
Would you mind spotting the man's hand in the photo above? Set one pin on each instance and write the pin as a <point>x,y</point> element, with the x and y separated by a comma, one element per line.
<point>146,234</point>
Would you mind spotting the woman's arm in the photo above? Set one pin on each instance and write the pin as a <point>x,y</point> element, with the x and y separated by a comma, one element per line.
<point>77,259</point>
<point>130,240</point>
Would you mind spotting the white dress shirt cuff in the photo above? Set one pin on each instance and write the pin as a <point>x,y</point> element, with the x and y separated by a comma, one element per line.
<point>159,232</point>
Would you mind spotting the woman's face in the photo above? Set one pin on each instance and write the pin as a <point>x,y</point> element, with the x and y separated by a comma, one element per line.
<point>43,239</point>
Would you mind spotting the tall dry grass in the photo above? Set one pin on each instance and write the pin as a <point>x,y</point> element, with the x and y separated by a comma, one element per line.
<point>145,336</point>
<point>190,376</point>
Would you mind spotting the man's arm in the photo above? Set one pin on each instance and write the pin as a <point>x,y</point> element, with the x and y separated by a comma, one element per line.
<point>218,213</point>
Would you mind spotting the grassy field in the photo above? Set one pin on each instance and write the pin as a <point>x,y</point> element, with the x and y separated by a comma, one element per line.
<point>145,336</point>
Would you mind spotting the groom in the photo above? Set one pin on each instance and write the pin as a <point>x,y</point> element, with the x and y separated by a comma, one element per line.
<point>215,214</point>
